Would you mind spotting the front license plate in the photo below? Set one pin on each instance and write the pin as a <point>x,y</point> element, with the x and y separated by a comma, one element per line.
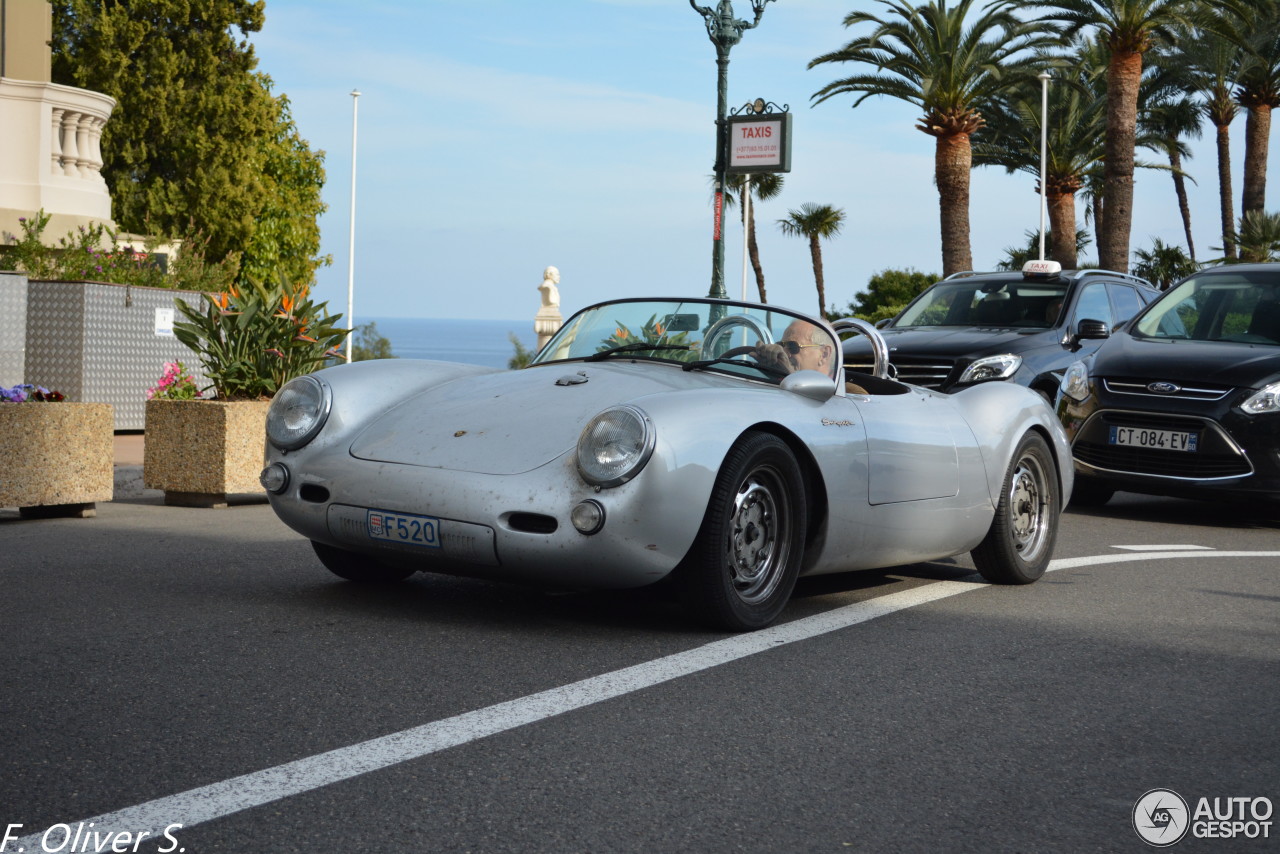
<point>1163,440</point>
<point>401,528</point>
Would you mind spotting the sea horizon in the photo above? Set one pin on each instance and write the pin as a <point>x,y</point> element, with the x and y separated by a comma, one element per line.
<point>465,340</point>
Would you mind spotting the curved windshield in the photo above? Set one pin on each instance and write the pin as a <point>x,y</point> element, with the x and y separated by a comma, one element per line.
<point>1225,305</point>
<point>749,340</point>
<point>978,302</point>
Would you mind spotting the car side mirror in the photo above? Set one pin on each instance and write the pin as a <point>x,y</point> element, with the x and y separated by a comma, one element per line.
<point>883,322</point>
<point>814,385</point>
<point>1089,329</point>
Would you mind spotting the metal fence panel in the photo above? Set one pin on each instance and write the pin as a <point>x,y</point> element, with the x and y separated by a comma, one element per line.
<point>104,343</point>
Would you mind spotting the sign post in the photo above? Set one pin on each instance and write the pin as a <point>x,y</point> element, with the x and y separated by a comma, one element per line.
<point>725,31</point>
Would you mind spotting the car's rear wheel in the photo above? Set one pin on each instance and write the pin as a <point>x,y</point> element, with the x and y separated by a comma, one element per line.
<point>1090,492</point>
<point>358,567</point>
<point>1019,544</point>
<point>743,566</point>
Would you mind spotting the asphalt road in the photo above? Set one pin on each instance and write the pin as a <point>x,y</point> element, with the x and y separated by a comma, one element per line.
<point>166,666</point>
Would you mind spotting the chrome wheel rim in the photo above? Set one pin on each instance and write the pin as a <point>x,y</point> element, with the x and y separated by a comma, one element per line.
<point>1029,510</point>
<point>759,536</point>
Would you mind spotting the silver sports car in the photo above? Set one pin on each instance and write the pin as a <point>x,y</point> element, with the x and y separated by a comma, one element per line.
<point>717,444</point>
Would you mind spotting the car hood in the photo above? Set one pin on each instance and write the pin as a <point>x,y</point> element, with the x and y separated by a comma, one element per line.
<point>512,421</point>
<point>955,341</point>
<point>1188,362</point>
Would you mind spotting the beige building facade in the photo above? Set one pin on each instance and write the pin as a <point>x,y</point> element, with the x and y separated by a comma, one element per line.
<point>50,135</point>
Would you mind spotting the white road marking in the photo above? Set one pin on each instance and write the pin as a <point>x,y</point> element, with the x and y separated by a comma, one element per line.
<point>224,798</point>
<point>1163,548</point>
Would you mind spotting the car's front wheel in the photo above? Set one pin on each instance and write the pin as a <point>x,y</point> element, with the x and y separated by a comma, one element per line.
<point>1019,544</point>
<point>358,567</point>
<point>743,566</point>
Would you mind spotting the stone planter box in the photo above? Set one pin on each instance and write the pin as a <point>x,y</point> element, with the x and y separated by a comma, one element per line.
<point>56,459</point>
<point>200,452</point>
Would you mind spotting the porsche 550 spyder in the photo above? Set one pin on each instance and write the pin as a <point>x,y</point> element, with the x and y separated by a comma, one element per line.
<point>719,445</point>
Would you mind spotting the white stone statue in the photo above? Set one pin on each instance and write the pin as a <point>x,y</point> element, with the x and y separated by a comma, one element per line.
<point>550,293</point>
<point>547,322</point>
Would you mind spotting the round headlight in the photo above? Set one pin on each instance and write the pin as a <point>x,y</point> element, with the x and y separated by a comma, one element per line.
<point>614,446</point>
<point>298,412</point>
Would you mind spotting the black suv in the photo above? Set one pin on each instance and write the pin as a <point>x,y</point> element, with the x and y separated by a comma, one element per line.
<point>1023,327</point>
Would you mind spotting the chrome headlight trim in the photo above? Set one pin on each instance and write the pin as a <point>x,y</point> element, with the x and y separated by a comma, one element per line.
<point>1265,400</point>
<point>298,412</point>
<point>615,445</point>
<point>1075,381</point>
<point>999,367</point>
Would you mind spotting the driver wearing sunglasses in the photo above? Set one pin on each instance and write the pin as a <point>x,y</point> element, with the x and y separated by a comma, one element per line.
<point>804,346</point>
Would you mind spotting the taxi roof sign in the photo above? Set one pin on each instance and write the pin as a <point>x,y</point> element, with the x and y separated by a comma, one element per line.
<point>1041,268</point>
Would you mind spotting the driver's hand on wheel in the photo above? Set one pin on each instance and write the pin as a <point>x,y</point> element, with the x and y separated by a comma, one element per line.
<point>775,357</point>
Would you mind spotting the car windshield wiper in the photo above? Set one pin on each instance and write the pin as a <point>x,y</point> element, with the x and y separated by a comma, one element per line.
<point>633,348</point>
<point>726,360</point>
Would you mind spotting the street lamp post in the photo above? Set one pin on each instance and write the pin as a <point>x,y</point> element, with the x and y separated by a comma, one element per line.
<point>725,31</point>
<point>351,246</point>
<point>1045,77</point>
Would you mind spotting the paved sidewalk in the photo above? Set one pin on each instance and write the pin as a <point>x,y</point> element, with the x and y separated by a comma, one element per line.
<point>128,467</point>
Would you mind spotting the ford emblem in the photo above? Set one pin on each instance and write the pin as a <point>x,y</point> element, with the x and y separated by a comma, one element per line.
<point>1163,388</point>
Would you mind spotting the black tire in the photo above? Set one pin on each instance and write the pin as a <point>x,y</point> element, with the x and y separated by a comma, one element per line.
<point>358,567</point>
<point>1019,544</point>
<point>1090,492</point>
<point>741,570</point>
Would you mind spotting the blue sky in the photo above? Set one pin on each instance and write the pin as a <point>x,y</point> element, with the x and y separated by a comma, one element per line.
<point>497,137</point>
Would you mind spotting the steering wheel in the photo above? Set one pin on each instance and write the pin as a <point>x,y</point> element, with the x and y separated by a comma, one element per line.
<point>724,327</point>
<point>879,349</point>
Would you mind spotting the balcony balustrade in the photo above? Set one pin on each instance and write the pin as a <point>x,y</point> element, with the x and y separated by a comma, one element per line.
<point>53,162</point>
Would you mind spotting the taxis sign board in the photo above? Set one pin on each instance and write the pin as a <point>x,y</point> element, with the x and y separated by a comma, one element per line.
<point>759,143</point>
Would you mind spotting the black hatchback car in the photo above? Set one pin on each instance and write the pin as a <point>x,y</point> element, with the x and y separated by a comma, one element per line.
<point>1185,399</point>
<point>1022,327</point>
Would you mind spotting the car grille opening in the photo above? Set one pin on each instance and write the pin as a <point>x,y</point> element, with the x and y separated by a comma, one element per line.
<point>1141,387</point>
<point>927,373</point>
<point>1197,466</point>
<point>313,492</point>
<point>533,523</point>
<point>1217,457</point>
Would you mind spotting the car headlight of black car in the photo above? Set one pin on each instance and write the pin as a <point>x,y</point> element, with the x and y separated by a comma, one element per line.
<point>615,445</point>
<point>992,368</point>
<point>1265,400</point>
<point>298,412</point>
<point>1075,382</point>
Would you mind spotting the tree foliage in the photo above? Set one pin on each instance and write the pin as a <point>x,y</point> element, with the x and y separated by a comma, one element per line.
<point>1163,264</point>
<point>197,138</point>
<point>887,293</point>
<point>937,58</point>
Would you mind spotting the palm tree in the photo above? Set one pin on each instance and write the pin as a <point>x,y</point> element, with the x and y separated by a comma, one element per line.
<point>1259,237</point>
<point>1129,28</point>
<point>764,186</point>
<point>1163,264</point>
<point>814,222</point>
<point>1074,145</point>
<point>1259,94</point>
<point>1212,59</point>
<point>926,56</point>
<point>1016,257</point>
<point>1168,119</point>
